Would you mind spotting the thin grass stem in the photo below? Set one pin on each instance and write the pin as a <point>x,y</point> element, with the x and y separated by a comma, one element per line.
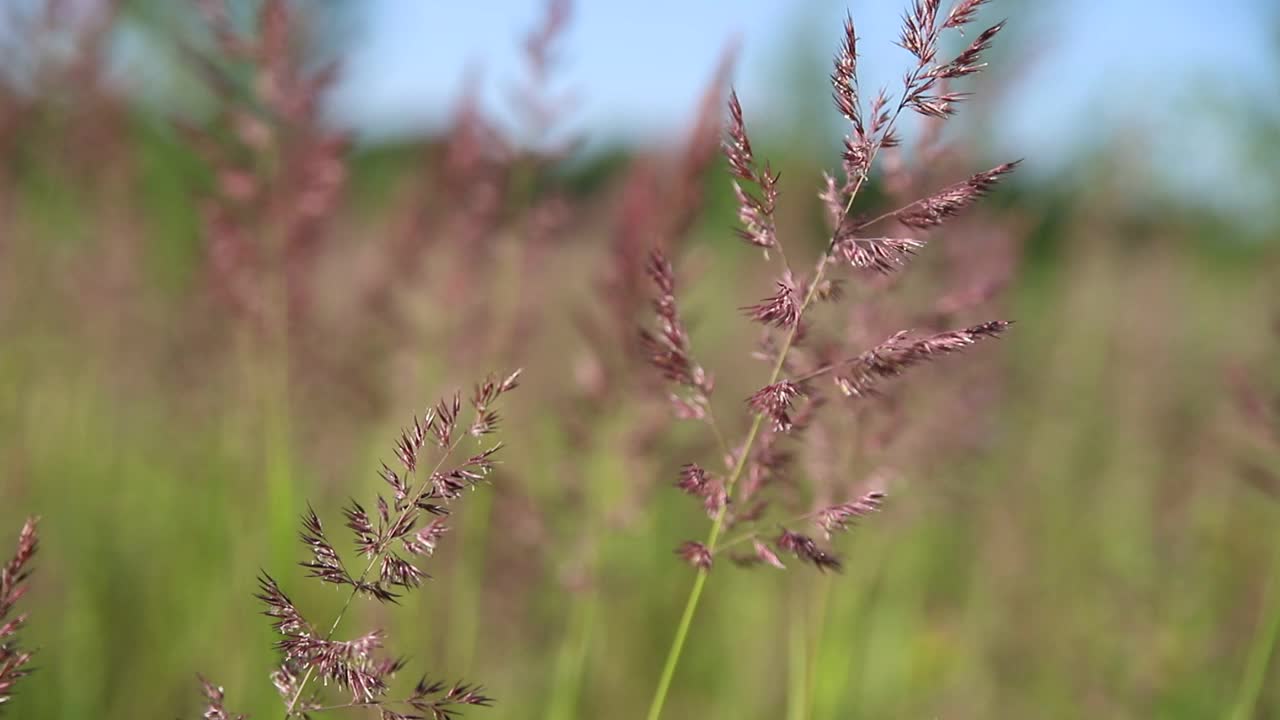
<point>1263,648</point>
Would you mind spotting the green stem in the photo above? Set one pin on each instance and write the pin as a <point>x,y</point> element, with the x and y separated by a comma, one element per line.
<point>677,645</point>
<point>278,455</point>
<point>754,534</point>
<point>851,459</point>
<point>691,606</point>
<point>1264,644</point>
<point>271,380</point>
<point>468,577</point>
<point>815,642</point>
<point>797,659</point>
<point>572,658</point>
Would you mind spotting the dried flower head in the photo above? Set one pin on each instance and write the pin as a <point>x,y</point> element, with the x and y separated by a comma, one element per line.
<point>782,309</point>
<point>838,518</point>
<point>949,202</point>
<point>696,554</point>
<point>844,78</point>
<point>920,30</point>
<point>214,708</point>
<point>13,575</point>
<point>774,401</point>
<point>969,61</point>
<point>758,463</point>
<point>755,210</point>
<point>701,484</point>
<point>762,459</point>
<point>804,547</point>
<point>761,554</point>
<point>882,254</point>
<point>767,555</point>
<point>668,349</point>
<point>896,355</point>
<point>393,539</point>
<point>962,13</point>
<point>440,701</point>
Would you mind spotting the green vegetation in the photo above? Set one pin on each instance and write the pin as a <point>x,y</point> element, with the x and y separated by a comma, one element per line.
<point>1070,532</point>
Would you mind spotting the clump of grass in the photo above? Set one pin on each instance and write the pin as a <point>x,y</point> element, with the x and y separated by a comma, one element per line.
<point>793,398</point>
<point>14,658</point>
<point>401,531</point>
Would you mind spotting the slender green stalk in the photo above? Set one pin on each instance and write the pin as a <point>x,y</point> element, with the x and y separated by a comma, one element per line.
<point>278,455</point>
<point>1263,648</point>
<point>677,645</point>
<point>568,675</point>
<point>816,634</point>
<point>572,658</point>
<point>275,391</point>
<point>273,376</point>
<point>691,606</point>
<point>822,595</point>
<point>754,534</point>
<point>468,576</point>
<point>798,680</point>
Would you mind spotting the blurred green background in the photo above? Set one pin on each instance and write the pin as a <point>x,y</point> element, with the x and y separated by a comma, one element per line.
<point>216,307</point>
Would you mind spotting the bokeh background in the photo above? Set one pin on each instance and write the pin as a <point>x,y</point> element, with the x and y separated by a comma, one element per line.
<point>233,264</point>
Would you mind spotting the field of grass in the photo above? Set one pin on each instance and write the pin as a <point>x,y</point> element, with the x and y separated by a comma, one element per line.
<point>1082,520</point>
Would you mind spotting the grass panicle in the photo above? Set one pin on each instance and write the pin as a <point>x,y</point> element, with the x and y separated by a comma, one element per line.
<point>787,403</point>
<point>14,658</point>
<point>393,540</point>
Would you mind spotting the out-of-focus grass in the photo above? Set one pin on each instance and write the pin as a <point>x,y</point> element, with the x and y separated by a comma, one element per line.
<point>1094,557</point>
<point>1093,554</point>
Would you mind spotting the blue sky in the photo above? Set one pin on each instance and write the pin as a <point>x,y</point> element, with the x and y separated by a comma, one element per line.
<point>639,66</point>
<point>1078,69</point>
<point>1166,75</point>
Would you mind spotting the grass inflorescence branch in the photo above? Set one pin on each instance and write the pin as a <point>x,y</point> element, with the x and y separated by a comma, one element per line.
<point>14,658</point>
<point>788,400</point>
<point>403,529</point>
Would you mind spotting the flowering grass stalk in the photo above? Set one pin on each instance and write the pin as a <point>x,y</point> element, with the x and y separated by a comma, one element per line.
<point>400,532</point>
<point>13,575</point>
<point>790,398</point>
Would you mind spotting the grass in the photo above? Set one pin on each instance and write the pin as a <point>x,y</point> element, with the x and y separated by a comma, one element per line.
<point>1076,543</point>
<point>982,592</point>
